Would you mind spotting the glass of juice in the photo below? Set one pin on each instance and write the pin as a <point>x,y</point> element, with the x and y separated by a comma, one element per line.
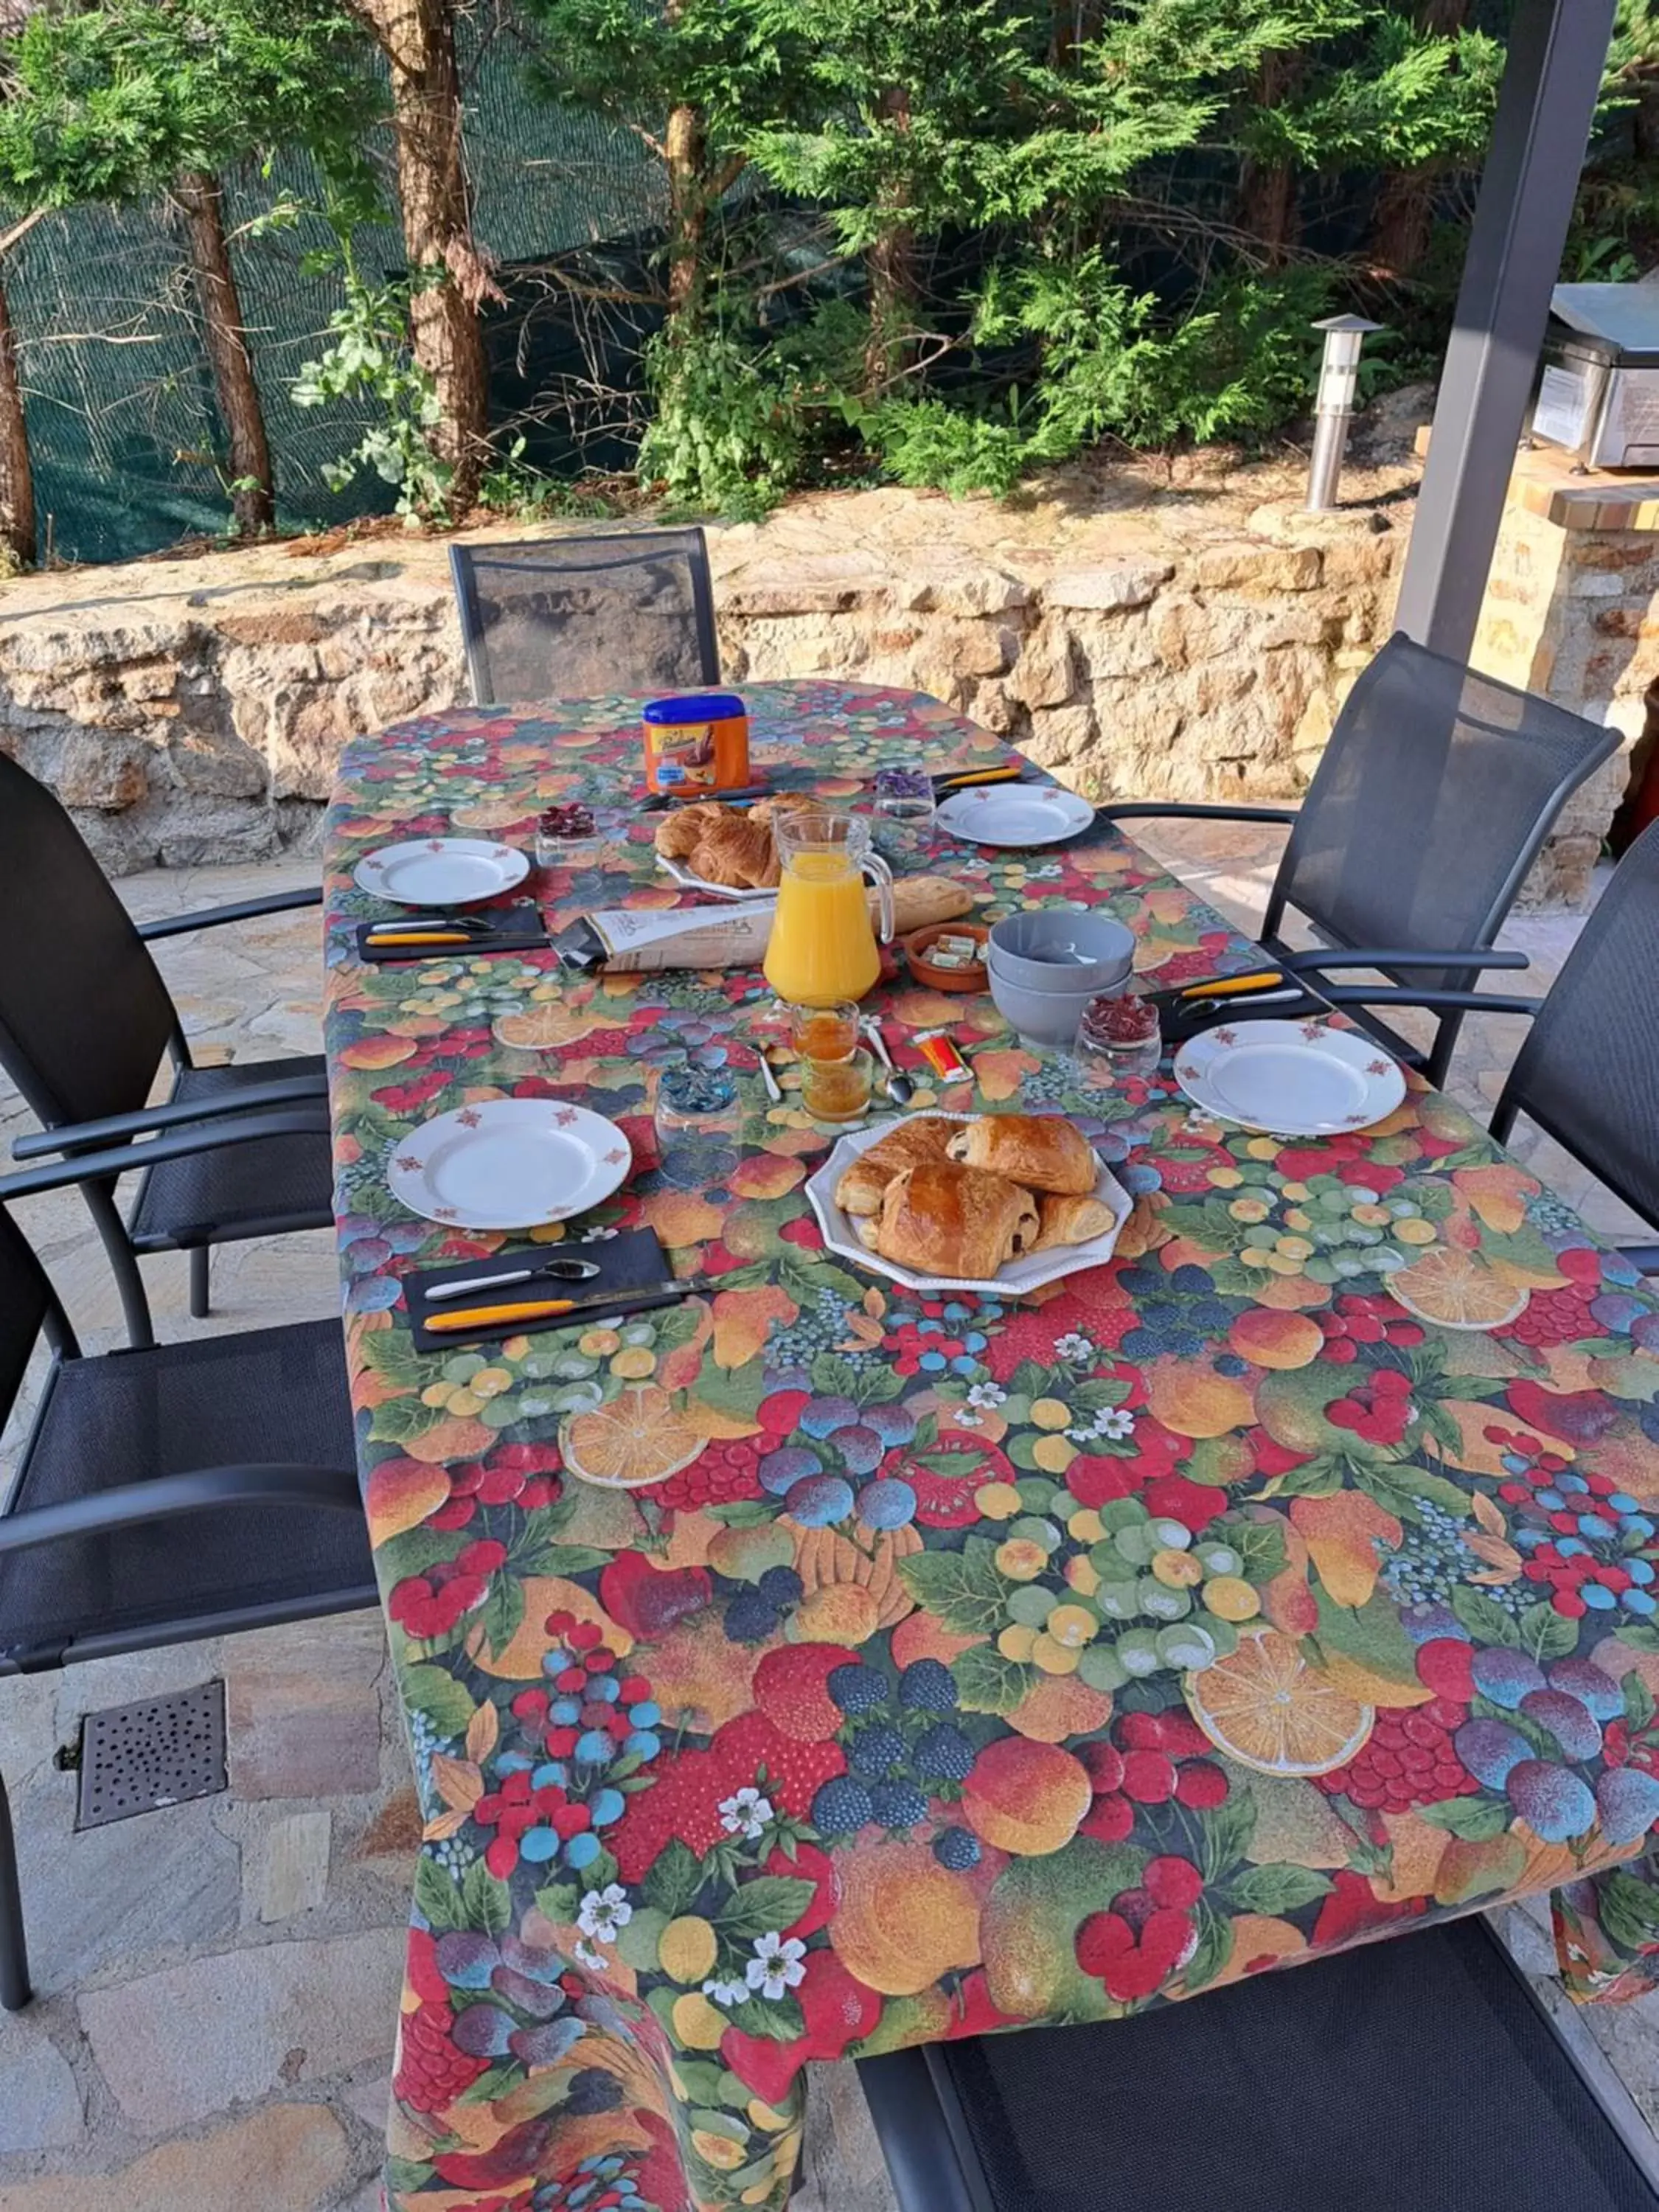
<point>824,1032</point>
<point>838,1090</point>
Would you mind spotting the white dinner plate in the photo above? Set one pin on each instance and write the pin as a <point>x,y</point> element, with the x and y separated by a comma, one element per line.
<point>508,1163</point>
<point>441,871</point>
<point>1292,1079</point>
<point>1019,1276</point>
<point>683,875</point>
<point>1015,814</point>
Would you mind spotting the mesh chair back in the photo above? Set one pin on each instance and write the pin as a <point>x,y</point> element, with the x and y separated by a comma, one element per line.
<point>573,617</point>
<point>1413,2073</point>
<point>1432,798</point>
<point>84,1015</point>
<point>27,1304</point>
<point>1588,1068</point>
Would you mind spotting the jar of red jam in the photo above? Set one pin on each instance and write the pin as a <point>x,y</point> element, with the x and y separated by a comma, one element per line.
<point>1118,1036</point>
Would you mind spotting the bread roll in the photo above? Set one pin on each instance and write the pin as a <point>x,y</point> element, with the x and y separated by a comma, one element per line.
<point>924,1137</point>
<point>1070,1221</point>
<point>942,1219</point>
<point>920,901</point>
<point>1041,1150</point>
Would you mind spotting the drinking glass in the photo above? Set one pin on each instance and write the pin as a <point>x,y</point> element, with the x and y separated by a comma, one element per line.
<point>824,1032</point>
<point>904,816</point>
<point>698,1120</point>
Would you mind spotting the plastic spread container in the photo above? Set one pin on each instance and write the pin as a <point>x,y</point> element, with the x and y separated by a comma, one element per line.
<point>697,741</point>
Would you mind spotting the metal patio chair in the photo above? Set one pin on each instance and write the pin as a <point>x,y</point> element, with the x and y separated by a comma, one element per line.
<point>1588,1070</point>
<point>167,1494</point>
<point>1430,802</point>
<point>86,1022</point>
<point>1420,2072</point>
<point>618,611</point>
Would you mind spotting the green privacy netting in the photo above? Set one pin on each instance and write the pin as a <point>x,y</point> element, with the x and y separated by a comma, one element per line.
<point>119,402</point>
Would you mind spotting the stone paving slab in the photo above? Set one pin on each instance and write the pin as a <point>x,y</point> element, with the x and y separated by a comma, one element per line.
<point>219,1980</point>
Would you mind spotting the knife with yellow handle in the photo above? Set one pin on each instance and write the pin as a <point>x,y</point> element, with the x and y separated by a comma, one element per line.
<point>383,938</point>
<point>1229,987</point>
<point>519,1313</point>
<point>1009,772</point>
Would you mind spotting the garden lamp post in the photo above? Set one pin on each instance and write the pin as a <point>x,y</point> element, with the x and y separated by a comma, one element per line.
<point>1338,379</point>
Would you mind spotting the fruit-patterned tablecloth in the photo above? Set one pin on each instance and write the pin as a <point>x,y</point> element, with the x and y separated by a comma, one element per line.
<point>952,1664</point>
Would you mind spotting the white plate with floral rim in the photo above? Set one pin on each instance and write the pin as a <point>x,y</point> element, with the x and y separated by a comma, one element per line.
<point>508,1163</point>
<point>1291,1079</point>
<point>841,1233</point>
<point>1014,814</point>
<point>441,871</point>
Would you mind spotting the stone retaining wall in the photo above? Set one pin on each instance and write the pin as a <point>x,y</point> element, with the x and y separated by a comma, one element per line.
<point>195,711</point>
<point>1147,637</point>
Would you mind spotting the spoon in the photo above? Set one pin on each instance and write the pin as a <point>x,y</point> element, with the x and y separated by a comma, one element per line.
<point>899,1088</point>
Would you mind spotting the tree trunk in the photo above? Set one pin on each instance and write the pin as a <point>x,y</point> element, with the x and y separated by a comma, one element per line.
<point>890,265</point>
<point>686,146</point>
<point>1267,207</point>
<point>16,472</point>
<point>1404,205</point>
<point>1071,24</point>
<point>417,38</point>
<point>252,499</point>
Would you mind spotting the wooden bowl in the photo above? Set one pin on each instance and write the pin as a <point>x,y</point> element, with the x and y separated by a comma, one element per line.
<point>916,946</point>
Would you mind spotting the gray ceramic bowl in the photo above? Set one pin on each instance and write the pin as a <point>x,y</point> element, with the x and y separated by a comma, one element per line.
<point>1054,950</point>
<point>1043,1018</point>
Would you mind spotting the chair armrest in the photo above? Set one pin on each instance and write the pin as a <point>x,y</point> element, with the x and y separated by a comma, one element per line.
<point>71,1134</point>
<point>213,917</point>
<point>1316,957</point>
<point>1356,994</point>
<point>130,1503</point>
<point>176,1145</point>
<point>1136,810</point>
<point>1643,1257</point>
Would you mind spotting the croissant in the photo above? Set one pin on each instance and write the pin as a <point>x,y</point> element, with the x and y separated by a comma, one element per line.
<point>942,1219</point>
<point>924,1138</point>
<point>786,802</point>
<point>1070,1221</point>
<point>736,852</point>
<point>681,830</point>
<point>1042,1151</point>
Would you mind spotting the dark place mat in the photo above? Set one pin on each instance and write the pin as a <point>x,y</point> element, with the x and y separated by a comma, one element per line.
<point>512,937</point>
<point>632,1261</point>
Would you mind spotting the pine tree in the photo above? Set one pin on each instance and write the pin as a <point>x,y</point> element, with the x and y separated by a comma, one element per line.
<point>133,99</point>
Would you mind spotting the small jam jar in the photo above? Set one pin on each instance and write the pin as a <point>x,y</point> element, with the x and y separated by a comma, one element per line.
<point>1118,1036</point>
<point>697,742</point>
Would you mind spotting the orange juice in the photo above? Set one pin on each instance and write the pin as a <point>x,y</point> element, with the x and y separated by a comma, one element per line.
<point>822,949</point>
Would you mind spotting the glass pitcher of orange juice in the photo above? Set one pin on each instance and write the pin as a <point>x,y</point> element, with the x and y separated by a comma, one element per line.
<point>822,949</point>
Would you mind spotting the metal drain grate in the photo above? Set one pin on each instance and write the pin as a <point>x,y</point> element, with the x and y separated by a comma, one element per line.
<point>134,1758</point>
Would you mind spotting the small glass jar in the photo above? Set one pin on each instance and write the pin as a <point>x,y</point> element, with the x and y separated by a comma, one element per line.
<point>838,1090</point>
<point>567,834</point>
<point>698,1120</point>
<point>1117,1037</point>
<point>904,816</point>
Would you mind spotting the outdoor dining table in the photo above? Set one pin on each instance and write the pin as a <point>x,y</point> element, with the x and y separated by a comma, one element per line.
<point>1286,1583</point>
